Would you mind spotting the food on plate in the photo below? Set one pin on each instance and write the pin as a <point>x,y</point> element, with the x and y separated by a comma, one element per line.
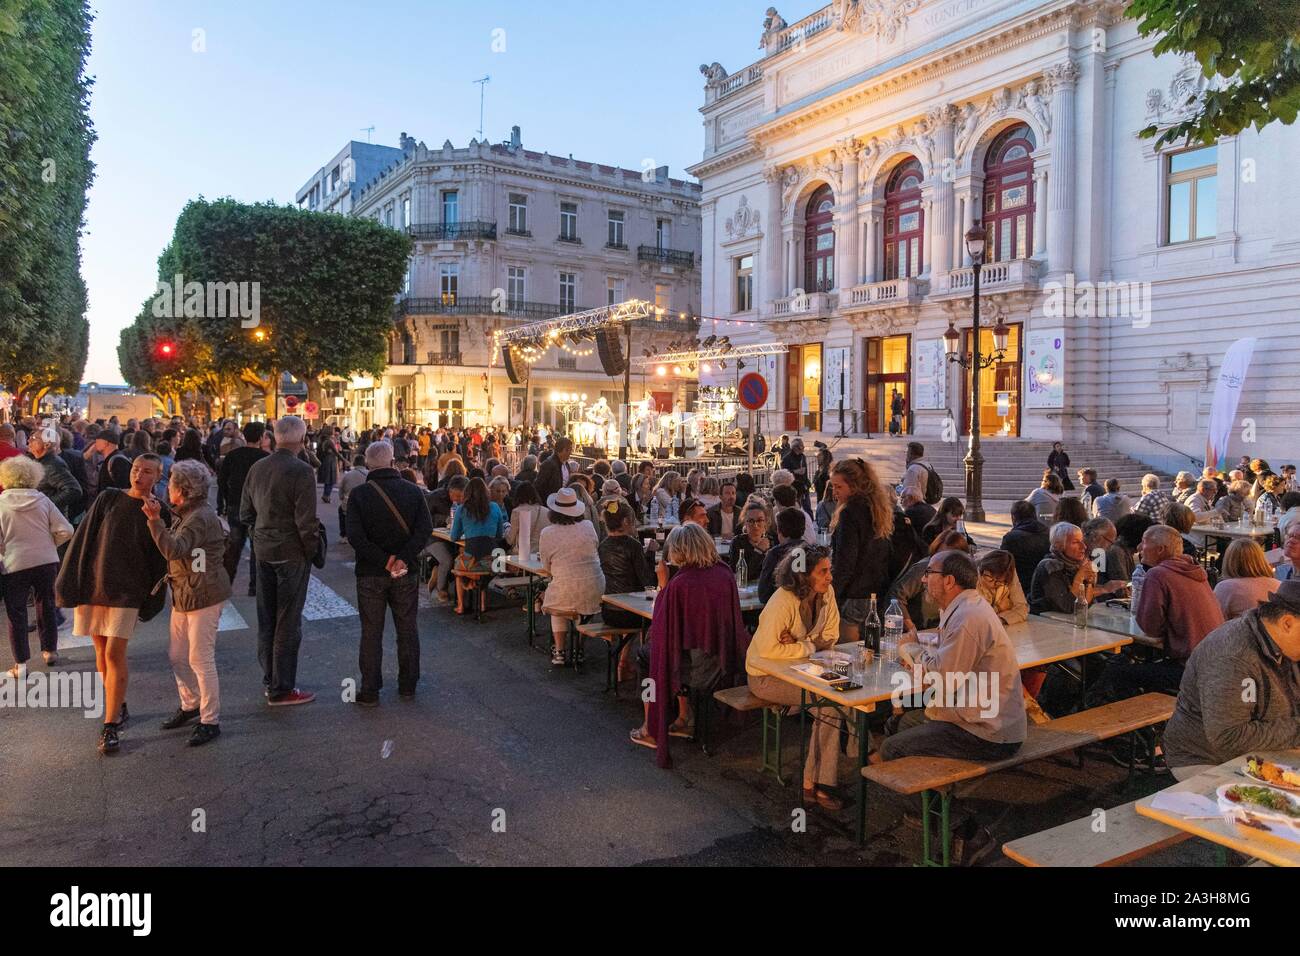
<point>1264,798</point>
<point>1270,772</point>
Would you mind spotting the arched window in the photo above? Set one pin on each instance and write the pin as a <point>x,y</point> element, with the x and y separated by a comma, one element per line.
<point>1009,195</point>
<point>904,221</point>
<point>819,242</point>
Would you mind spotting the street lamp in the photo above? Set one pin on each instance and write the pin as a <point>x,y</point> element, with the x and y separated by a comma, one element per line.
<point>975,363</point>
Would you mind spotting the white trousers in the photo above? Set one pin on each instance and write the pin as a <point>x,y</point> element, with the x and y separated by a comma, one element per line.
<point>193,653</point>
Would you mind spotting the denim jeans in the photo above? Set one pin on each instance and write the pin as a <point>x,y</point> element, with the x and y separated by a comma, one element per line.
<point>375,596</point>
<point>918,737</point>
<point>17,584</point>
<point>281,594</point>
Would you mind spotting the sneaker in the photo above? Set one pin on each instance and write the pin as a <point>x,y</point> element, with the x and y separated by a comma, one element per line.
<point>557,657</point>
<point>50,657</point>
<point>108,739</point>
<point>204,733</point>
<point>180,718</point>
<point>294,696</point>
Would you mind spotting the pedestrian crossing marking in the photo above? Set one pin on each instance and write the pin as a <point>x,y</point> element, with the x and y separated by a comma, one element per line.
<point>323,602</point>
<point>231,619</point>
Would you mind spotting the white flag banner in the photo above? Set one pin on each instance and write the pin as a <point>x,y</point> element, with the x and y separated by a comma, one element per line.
<point>1227,393</point>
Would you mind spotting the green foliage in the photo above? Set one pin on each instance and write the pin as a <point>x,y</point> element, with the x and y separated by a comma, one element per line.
<point>1252,46</point>
<point>45,170</point>
<point>326,282</point>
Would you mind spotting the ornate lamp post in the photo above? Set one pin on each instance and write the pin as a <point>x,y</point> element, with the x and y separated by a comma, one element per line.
<point>975,363</point>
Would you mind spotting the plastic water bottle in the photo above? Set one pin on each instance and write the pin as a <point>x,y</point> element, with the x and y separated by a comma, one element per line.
<point>893,631</point>
<point>1080,610</point>
<point>451,518</point>
<point>742,573</point>
<point>1139,576</point>
<point>871,628</point>
<point>673,515</point>
<point>654,511</point>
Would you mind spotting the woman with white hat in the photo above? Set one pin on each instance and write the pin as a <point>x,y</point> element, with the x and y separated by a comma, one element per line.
<point>568,547</point>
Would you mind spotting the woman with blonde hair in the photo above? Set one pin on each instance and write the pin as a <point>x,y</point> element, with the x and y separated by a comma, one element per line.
<point>31,529</point>
<point>860,541</point>
<point>669,491</point>
<point>1247,579</point>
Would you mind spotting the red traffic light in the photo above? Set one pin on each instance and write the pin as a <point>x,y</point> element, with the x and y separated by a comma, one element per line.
<point>166,349</point>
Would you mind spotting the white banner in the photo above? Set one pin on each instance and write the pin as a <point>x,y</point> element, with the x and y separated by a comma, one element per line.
<point>929,375</point>
<point>1045,368</point>
<point>1227,393</point>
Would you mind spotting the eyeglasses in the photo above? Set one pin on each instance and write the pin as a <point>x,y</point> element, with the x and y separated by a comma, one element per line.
<point>930,571</point>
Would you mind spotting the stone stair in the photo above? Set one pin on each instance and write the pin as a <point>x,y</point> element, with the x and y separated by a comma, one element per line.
<point>1013,467</point>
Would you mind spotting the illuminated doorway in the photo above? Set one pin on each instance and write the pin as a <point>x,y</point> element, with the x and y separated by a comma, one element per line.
<point>803,388</point>
<point>999,386</point>
<point>889,371</point>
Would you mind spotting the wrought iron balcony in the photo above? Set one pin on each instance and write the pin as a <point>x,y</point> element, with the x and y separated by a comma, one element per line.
<point>444,358</point>
<point>571,239</point>
<point>478,305</point>
<point>452,231</point>
<point>669,257</point>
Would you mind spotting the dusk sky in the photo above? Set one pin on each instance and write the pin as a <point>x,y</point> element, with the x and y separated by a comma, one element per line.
<point>283,86</point>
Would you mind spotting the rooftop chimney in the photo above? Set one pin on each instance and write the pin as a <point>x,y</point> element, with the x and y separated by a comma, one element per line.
<point>515,141</point>
<point>661,174</point>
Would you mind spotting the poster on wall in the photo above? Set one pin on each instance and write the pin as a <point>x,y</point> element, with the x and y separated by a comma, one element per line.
<point>929,375</point>
<point>1045,368</point>
<point>837,363</point>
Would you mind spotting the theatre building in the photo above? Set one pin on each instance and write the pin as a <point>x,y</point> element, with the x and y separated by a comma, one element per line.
<point>843,169</point>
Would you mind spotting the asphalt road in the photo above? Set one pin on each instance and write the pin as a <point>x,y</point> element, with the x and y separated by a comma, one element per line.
<point>500,760</point>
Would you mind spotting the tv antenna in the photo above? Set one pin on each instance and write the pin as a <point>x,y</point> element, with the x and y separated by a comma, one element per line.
<point>367,130</point>
<point>482,88</point>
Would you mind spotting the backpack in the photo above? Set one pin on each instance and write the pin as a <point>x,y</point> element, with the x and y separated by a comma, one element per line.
<point>933,486</point>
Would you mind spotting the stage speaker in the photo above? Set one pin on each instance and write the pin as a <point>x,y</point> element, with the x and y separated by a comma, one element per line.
<point>508,359</point>
<point>612,359</point>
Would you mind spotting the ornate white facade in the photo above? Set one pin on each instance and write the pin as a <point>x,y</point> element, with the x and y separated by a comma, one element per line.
<point>1099,268</point>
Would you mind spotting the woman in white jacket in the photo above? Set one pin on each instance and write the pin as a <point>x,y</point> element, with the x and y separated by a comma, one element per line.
<point>802,617</point>
<point>31,530</point>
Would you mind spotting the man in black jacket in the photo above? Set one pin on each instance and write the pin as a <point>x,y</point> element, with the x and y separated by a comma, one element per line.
<point>790,527</point>
<point>388,527</point>
<point>230,488</point>
<point>58,484</point>
<point>1027,541</point>
<point>726,506</point>
<point>115,468</point>
<point>555,473</point>
<point>527,471</point>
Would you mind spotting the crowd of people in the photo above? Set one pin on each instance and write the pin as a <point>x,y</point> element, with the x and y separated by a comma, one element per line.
<point>824,543</point>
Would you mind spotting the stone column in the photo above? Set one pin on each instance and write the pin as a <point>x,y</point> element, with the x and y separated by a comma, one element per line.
<point>846,251</point>
<point>942,208</point>
<point>1040,211</point>
<point>1060,181</point>
<point>773,247</point>
<point>791,263</point>
<point>872,215</point>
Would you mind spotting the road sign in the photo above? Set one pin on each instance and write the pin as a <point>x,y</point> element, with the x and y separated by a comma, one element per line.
<point>310,409</point>
<point>291,402</point>
<point>752,391</point>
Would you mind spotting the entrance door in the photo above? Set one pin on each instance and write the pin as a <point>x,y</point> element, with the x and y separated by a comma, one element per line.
<point>889,371</point>
<point>999,386</point>
<point>803,383</point>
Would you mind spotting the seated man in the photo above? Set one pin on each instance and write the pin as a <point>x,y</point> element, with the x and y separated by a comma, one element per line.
<point>973,659</point>
<point>1175,605</point>
<point>917,511</point>
<point>1112,504</point>
<point>1215,722</point>
<point>790,526</point>
<point>1109,558</point>
<point>441,503</point>
<point>1092,489</point>
<point>1027,541</point>
<point>1066,572</point>
<point>1155,501</point>
<point>724,517</point>
<point>1202,502</point>
<point>784,498</point>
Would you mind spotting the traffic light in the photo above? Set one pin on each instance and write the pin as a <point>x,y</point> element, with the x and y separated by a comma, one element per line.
<point>166,349</point>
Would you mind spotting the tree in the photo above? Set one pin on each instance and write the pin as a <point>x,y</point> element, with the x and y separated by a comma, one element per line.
<point>186,364</point>
<point>1252,46</point>
<point>45,170</point>
<point>324,288</point>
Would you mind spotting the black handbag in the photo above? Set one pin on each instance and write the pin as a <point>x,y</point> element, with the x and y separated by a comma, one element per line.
<point>318,559</point>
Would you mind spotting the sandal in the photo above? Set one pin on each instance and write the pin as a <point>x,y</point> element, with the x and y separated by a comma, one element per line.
<point>642,739</point>
<point>677,729</point>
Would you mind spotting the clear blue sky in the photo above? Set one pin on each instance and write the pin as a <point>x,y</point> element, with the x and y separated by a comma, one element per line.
<point>283,85</point>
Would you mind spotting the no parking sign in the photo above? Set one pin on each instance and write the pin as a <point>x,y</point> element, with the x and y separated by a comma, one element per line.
<point>752,391</point>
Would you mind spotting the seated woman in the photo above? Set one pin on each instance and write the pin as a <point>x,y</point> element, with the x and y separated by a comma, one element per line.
<point>568,552</point>
<point>697,637</point>
<point>626,563</point>
<point>753,544</point>
<point>1248,579</point>
<point>526,503</point>
<point>1071,510</point>
<point>1182,519</point>
<point>949,517</point>
<point>710,492</point>
<point>1045,496</point>
<point>919,609</point>
<point>481,523</point>
<point>668,493</point>
<point>1000,586</point>
<point>802,617</point>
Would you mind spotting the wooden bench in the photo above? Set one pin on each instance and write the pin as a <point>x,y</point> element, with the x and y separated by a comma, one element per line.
<point>1127,836</point>
<point>930,775</point>
<point>615,638</point>
<point>743,700</point>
